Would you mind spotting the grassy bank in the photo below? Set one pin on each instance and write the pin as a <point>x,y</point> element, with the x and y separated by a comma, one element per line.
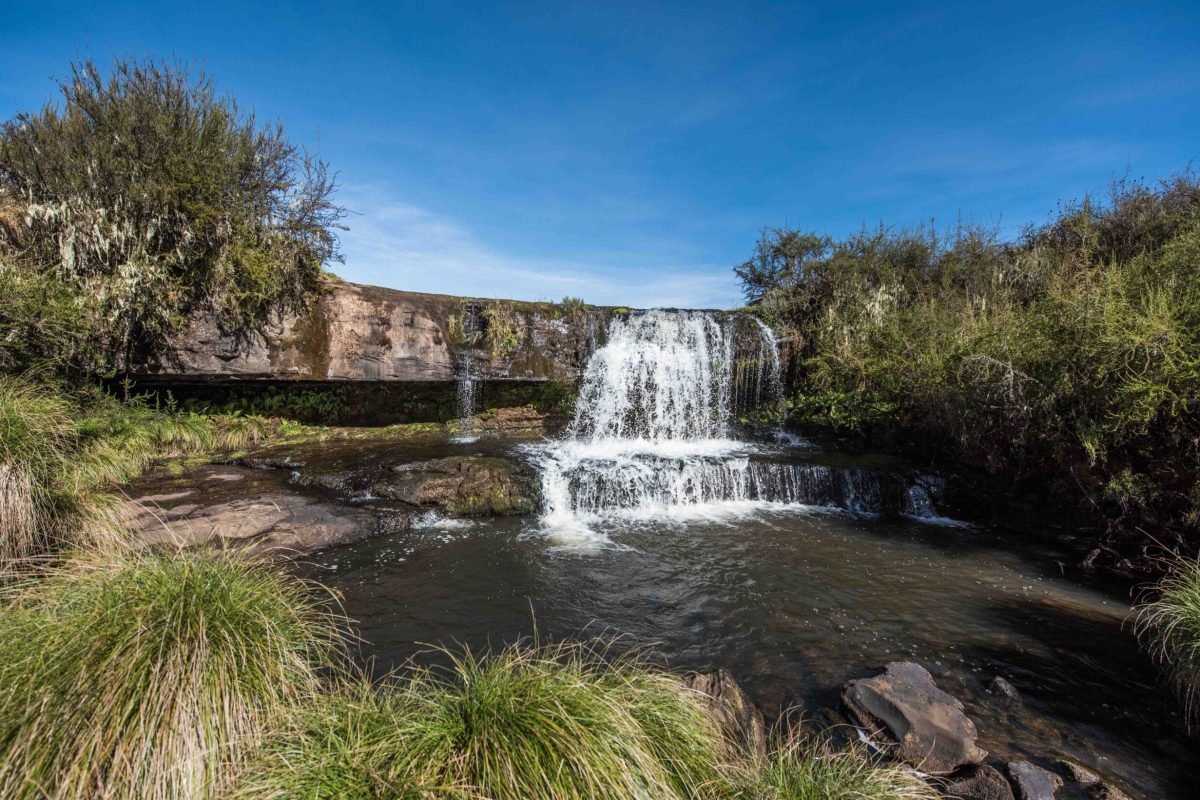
<point>63,452</point>
<point>1063,364</point>
<point>194,676</point>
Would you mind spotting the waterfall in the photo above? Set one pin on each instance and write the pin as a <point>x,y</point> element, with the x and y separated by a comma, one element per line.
<point>464,374</point>
<point>653,421</point>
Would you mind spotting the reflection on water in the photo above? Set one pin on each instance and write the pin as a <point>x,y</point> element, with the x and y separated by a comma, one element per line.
<point>795,604</point>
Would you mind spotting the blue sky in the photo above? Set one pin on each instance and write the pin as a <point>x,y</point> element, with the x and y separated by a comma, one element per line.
<point>629,153</point>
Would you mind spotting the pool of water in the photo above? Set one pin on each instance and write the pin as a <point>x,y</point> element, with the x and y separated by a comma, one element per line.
<point>795,601</point>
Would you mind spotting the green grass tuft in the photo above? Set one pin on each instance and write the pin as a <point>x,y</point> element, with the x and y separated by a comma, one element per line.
<point>150,676</point>
<point>561,721</point>
<point>809,769</point>
<point>1170,627</point>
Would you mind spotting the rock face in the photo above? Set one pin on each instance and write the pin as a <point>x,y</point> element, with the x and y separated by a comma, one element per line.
<point>736,714</point>
<point>979,782</point>
<point>368,333</point>
<point>462,486</point>
<point>259,521</point>
<point>1033,782</point>
<point>915,720</point>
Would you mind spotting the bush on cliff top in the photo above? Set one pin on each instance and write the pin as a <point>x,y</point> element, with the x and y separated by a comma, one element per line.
<point>146,196</point>
<point>1065,362</point>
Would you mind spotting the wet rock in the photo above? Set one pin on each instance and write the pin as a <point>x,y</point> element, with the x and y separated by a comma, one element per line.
<point>1106,791</point>
<point>270,462</point>
<point>522,418</point>
<point>1002,688</point>
<point>227,508</point>
<point>463,486</point>
<point>1033,782</point>
<point>979,782</point>
<point>1081,775</point>
<point>736,714</point>
<point>913,719</point>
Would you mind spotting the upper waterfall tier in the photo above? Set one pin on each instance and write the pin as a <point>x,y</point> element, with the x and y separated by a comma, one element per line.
<point>673,376</point>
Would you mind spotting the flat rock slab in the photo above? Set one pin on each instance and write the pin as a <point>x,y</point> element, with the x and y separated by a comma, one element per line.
<point>1033,782</point>
<point>735,712</point>
<point>914,720</point>
<point>259,519</point>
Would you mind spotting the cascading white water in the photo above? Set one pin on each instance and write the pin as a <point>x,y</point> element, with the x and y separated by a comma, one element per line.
<point>651,436</point>
<point>651,432</point>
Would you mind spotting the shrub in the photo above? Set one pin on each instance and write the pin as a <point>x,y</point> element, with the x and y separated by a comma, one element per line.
<point>149,196</point>
<point>560,722</point>
<point>1170,627</point>
<point>1063,363</point>
<point>148,676</point>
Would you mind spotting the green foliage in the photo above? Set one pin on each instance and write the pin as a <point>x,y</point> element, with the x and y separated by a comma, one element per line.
<point>326,405</point>
<point>142,198</point>
<point>505,328</point>
<point>808,769</point>
<point>562,722</point>
<point>1068,361</point>
<point>147,676</point>
<point>1169,625</point>
<point>60,455</point>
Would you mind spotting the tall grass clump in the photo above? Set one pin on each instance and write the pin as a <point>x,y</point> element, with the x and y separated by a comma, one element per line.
<point>39,462</point>
<point>150,676</point>
<point>1170,626</point>
<point>561,721</point>
<point>809,769</point>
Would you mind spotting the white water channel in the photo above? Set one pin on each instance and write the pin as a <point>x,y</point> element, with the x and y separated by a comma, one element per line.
<point>651,437</point>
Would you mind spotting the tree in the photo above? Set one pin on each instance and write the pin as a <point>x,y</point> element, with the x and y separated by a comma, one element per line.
<point>153,198</point>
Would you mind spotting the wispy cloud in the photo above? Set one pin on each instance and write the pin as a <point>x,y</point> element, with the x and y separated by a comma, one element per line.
<point>396,244</point>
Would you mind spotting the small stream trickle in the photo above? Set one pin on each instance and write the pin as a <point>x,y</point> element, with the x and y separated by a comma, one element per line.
<point>466,381</point>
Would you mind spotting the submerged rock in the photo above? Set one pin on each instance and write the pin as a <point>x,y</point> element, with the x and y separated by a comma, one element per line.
<point>909,716</point>
<point>738,717</point>
<point>1033,782</point>
<point>1002,688</point>
<point>463,486</point>
<point>1081,775</point>
<point>979,782</point>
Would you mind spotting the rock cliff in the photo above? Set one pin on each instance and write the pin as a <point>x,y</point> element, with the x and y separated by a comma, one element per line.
<point>361,333</point>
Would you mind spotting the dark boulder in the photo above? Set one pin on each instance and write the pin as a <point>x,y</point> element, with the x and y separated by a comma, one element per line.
<point>914,720</point>
<point>1033,782</point>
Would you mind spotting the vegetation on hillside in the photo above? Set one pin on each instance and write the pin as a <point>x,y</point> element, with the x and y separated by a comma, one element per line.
<point>1066,363</point>
<point>140,199</point>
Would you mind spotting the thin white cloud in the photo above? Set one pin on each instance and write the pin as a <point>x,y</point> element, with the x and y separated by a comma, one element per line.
<point>395,244</point>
